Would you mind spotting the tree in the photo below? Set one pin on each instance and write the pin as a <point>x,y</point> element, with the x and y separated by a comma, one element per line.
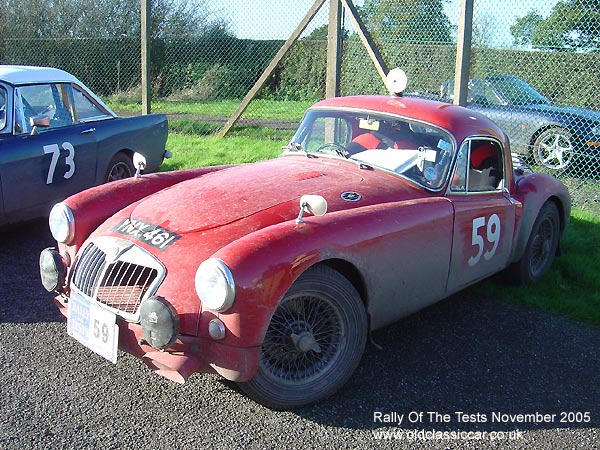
<point>106,18</point>
<point>523,29</point>
<point>483,30</point>
<point>417,21</point>
<point>572,25</point>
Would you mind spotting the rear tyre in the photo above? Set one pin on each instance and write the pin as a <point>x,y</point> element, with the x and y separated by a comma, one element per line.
<point>553,149</point>
<point>541,247</point>
<point>120,167</point>
<point>314,342</point>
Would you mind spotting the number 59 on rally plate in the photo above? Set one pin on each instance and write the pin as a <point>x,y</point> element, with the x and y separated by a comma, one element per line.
<point>94,327</point>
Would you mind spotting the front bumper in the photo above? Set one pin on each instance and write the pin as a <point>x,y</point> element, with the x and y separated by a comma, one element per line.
<point>187,355</point>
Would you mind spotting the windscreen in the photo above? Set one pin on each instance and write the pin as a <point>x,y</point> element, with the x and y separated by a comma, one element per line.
<point>417,151</point>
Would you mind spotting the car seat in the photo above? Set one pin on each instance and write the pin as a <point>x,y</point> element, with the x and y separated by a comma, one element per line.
<point>484,168</point>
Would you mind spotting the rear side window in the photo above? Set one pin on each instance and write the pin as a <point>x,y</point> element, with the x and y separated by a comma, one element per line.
<point>85,108</point>
<point>479,167</point>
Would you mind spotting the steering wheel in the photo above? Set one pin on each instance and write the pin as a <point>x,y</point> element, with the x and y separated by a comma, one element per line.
<point>339,149</point>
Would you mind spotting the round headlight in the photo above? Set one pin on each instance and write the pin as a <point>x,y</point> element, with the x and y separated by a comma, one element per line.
<point>215,285</point>
<point>62,223</point>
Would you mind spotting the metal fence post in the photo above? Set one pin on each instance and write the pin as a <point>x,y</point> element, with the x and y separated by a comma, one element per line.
<point>334,32</point>
<point>145,43</point>
<point>463,52</point>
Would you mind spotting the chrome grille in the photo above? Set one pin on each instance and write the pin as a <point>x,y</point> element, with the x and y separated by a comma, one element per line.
<point>120,282</point>
<point>89,269</point>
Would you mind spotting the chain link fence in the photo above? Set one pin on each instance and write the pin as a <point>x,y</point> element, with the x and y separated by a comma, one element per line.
<point>534,65</point>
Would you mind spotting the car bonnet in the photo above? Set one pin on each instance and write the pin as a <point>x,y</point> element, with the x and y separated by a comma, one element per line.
<point>226,196</point>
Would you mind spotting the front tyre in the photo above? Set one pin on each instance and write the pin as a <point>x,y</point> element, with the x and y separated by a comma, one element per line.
<point>314,342</point>
<point>119,168</point>
<point>541,247</point>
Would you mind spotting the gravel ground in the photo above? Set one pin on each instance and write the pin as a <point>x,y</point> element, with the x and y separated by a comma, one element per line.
<point>464,358</point>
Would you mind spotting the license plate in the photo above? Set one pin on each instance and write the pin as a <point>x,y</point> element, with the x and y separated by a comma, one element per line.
<point>93,326</point>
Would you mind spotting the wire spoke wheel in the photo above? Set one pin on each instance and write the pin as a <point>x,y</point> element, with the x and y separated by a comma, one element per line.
<point>313,344</point>
<point>303,339</point>
<point>541,247</point>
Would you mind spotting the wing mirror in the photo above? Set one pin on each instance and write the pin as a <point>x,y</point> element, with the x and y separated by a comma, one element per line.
<point>314,204</point>
<point>139,162</point>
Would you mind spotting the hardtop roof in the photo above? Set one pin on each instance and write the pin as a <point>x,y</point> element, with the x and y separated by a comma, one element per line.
<point>17,75</point>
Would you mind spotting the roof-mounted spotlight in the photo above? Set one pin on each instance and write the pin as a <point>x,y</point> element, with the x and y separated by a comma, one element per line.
<point>396,81</point>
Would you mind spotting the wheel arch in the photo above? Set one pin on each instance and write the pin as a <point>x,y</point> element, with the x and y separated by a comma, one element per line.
<point>354,276</point>
<point>533,200</point>
<point>105,159</point>
<point>351,273</point>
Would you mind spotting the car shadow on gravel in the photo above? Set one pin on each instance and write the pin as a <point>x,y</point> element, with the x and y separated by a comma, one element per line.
<point>478,357</point>
<point>23,299</point>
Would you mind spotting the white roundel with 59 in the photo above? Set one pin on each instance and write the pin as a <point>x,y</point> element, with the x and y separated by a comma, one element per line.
<point>491,231</point>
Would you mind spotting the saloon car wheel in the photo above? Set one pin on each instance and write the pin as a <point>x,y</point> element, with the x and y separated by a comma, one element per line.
<point>313,344</point>
<point>541,247</point>
<point>553,149</point>
<point>120,167</point>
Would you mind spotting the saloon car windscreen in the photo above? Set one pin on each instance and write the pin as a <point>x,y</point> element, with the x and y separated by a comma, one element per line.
<point>417,151</point>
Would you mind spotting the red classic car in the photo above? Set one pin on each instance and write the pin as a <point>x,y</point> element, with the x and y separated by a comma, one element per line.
<point>272,274</point>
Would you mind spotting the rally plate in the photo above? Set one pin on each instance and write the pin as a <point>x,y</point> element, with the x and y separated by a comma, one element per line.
<point>93,326</point>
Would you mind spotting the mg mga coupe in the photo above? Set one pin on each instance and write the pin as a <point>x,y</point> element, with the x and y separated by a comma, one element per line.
<point>272,274</point>
<point>58,138</point>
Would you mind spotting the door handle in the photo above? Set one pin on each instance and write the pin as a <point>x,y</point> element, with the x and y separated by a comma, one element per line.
<point>89,130</point>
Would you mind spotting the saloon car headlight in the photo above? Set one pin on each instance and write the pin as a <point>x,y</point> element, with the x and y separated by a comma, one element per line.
<point>62,223</point>
<point>215,285</point>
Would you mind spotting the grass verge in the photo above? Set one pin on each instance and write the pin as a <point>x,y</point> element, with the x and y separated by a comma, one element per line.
<point>288,111</point>
<point>240,146</point>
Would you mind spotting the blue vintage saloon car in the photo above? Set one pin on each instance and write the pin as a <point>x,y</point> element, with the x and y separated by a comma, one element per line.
<point>58,138</point>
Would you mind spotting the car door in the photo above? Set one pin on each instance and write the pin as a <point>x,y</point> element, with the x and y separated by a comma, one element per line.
<point>484,214</point>
<point>45,163</point>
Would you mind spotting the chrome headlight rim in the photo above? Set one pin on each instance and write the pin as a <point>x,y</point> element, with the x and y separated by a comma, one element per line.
<point>62,223</point>
<point>215,285</point>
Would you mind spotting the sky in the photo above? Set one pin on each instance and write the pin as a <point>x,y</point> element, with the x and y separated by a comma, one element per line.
<point>277,19</point>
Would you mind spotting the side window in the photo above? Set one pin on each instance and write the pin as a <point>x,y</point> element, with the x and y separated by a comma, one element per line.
<point>85,108</point>
<point>479,167</point>
<point>43,100</point>
<point>3,101</point>
<point>459,180</point>
<point>482,94</point>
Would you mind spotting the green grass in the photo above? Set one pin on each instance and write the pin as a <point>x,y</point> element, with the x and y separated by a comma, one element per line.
<point>288,111</point>
<point>240,146</point>
<point>571,288</point>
